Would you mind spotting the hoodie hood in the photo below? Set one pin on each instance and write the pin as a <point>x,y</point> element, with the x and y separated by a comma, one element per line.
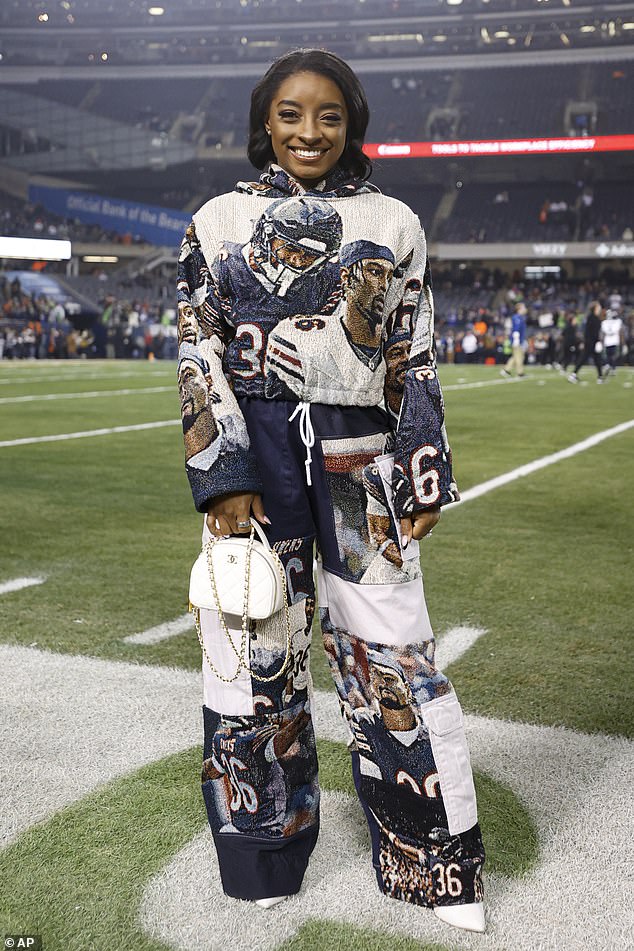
<point>274,182</point>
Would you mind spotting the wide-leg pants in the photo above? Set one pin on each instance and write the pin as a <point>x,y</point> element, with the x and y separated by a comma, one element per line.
<point>410,760</point>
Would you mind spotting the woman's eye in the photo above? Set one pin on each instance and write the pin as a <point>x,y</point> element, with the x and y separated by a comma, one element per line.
<point>333,118</point>
<point>288,115</point>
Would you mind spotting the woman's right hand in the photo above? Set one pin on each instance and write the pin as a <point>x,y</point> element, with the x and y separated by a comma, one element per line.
<point>230,514</point>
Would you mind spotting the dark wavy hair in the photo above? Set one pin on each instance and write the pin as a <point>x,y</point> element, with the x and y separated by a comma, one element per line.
<point>259,148</point>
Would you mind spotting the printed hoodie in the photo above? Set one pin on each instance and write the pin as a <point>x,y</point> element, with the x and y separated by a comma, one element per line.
<point>319,295</point>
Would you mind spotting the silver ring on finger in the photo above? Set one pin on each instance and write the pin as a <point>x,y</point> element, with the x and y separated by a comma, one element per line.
<point>244,524</point>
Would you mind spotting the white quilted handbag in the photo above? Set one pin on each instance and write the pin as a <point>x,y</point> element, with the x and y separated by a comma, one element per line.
<point>244,577</point>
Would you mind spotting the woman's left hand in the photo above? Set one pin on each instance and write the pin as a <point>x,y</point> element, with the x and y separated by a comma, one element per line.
<point>418,525</point>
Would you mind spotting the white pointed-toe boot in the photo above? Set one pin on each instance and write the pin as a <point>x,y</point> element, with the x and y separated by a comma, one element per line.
<point>269,902</point>
<point>469,917</point>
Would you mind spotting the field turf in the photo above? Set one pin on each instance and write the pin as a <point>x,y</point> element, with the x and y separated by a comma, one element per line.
<point>542,564</point>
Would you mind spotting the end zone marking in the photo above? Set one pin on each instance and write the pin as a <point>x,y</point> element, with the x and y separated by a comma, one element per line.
<point>18,583</point>
<point>161,632</point>
<point>537,464</point>
<point>30,440</point>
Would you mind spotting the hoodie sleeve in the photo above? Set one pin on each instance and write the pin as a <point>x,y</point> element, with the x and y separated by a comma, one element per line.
<point>423,477</point>
<point>218,457</point>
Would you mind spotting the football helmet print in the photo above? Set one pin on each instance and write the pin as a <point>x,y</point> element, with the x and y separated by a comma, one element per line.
<point>293,237</point>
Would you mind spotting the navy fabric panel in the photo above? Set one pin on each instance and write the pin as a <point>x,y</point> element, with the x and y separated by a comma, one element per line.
<point>234,473</point>
<point>375,836</point>
<point>294,508</point>
<point>281,465</point>
<point>259,868</point>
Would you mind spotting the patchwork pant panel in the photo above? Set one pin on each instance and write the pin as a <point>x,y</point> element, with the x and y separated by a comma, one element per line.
<point>409,754</point>
<point>259,783</point>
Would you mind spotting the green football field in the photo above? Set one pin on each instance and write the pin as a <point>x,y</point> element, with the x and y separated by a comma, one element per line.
<point>103,824</point>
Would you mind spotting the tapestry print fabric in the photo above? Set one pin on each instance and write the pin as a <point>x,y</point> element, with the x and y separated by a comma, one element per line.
<point>319,296</point>
<point>407,742</point>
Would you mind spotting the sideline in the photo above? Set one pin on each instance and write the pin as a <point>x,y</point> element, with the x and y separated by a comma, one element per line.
<point>87,394</point>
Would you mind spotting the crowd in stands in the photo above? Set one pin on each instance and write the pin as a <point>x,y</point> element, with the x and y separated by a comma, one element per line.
<point>482,213</point>
<point>405,105</point>
<point>473,316</point>
<point>37,327</point>
<point>473,311</point>
<point>22,219</point>
<point>564,211</point>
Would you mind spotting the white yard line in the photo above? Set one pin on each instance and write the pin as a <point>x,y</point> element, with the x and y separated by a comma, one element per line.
<point>537,464</point>
<point>16,584</point>
<point>456,641</point>
<point>451,646</point>
<point>36,378</point>
<point>474,386</point>
<point>87,394</point>
<point>60,437</point>
<point>162,632</point>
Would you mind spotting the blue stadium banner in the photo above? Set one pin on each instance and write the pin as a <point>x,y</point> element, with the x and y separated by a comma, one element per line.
<point>156,225</point>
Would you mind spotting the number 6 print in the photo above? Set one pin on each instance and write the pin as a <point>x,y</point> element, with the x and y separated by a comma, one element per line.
<point>426,484</point>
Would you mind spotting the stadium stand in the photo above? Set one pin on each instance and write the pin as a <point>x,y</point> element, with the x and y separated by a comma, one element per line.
<point>407,106</point>
<point>175,89</point>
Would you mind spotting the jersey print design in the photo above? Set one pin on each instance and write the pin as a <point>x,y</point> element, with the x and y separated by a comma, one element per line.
<point>309,308</point>
<point>381,691</point>
<point>259,773</point>
<point>367,535</point>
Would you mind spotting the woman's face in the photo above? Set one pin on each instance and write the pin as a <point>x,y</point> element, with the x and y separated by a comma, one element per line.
<point>307,121</point>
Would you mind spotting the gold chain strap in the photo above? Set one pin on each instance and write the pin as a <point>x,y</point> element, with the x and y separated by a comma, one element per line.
<point>243,663</point>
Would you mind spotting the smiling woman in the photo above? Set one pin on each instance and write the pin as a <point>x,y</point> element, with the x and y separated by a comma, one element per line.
<point>313,108</point>
<point>308,132</point>
<point>310,402</point>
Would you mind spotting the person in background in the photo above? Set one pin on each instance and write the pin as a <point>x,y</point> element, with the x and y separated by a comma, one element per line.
<point>518,342</point>
<point>470,347</point>
<point>612,339</point>
<point>592,345</point>
<point>569,342</point>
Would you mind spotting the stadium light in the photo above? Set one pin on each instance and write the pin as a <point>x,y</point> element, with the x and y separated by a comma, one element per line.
<point>35,249</point>
<point>384,37</point>
<point>156,11</point>
<point>100,258</point>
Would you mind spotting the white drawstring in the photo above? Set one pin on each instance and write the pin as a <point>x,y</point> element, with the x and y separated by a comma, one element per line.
<point>307,434</point>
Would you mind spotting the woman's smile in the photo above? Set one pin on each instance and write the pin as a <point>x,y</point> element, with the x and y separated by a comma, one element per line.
<point>307,122</point>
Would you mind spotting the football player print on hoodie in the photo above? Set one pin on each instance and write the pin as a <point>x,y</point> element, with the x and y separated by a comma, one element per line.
<point>328,356</point>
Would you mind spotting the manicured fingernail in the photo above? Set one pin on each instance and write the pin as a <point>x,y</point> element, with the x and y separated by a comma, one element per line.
<point>404,541</point>
<point>266,520</point>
